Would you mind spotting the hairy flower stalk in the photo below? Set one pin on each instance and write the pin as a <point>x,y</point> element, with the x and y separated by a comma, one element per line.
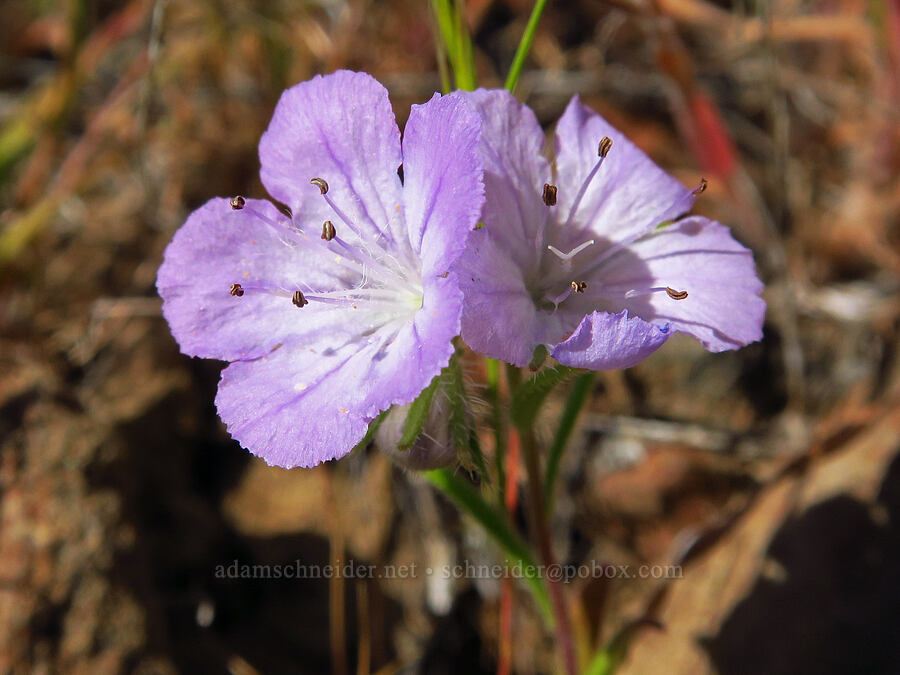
<point>578,259</point>
<point>349,305</point>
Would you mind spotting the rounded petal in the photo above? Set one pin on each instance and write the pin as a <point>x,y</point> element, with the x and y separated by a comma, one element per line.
<point>340,128</point>
<point>215,248</point>
<point>306,403</point>
<point>443,190</point>
<point>297,406</point>
<point>515,171</point>
<point>605,341</point>
<point>630,194</point>
<point>722,309</point>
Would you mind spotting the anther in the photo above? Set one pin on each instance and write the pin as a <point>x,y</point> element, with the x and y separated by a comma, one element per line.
<point>676,295</point>
<point>400,173</point>
<point>549,194</point>
<point>320,183</point>
<point>236,290</point>
<point>579,286</point>
<point>700,189</point>
<point>604,147</point>
<point>328,231</point>
<point>237,203</point>
<point>298,299</point>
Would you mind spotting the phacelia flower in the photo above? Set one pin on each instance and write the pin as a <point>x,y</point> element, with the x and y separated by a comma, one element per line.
<point>589,260</point>
<point>349,305</point>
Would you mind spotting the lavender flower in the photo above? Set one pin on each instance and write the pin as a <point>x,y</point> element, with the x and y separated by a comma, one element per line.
<point>588,263</point>
<point>349,306</point>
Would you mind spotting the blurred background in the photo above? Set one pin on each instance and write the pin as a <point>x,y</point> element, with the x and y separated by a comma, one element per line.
<point>770,474</point>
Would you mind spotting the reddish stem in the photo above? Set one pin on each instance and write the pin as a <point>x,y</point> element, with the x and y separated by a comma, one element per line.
<point>504,661</point>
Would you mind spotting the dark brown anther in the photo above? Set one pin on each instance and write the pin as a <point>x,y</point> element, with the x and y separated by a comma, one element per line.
<point>328,231</point>
<point>676,295</point>
<point>549,194</point>
<point>579,286</point>
<point>237,203</point>
<point>299,300</point>
<point>236,290</point>
<point>604,147</point>
<point>400,173</point>
<point>700,189</point>
<point>320,183</point>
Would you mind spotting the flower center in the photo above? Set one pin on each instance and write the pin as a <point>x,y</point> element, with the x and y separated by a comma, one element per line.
<point>369,278</point>
<point>559,275</point>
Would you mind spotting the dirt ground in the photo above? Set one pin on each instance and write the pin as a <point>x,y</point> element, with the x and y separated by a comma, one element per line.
<point>770,475</point>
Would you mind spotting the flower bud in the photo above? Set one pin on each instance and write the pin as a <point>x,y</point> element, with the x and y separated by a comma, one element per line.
<point>433,449</point>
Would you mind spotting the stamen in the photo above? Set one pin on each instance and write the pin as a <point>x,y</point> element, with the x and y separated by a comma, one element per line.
<point>700,189</point>
<point>237,203</point>
<point>571,254</point>
<point>549,194</point>
<point>579,286</point>
<point>328,231</point>
<point>323,189</point>
<point>372,267</point>
<point>603,149</point>
<point>671,292</point>
<point>236,290</point>
<point>298,298</point>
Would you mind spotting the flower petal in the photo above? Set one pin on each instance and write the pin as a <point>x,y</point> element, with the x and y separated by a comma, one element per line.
<point>302,405</point>
<point>499,317</point>
<point>296,406</point>
<point>443,190</point>
<point>723,308</point>
<point>630,194</point>
<point>605,341</point>
<point>340,128</point>
<point>216,247</point>
<point>515,171</point>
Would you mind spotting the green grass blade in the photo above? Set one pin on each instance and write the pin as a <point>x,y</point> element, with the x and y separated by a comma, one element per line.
<point>497,526</point>
<point>580,391</point>
<point>515,70</point>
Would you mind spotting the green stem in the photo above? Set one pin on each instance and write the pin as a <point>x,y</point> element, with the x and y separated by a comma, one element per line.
<point>515,70</point>
<point>498,422</point>
<point>497,526</point>
<point>541,531</point>
<point>580,391</point>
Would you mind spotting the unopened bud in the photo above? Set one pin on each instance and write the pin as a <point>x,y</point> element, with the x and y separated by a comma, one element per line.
<point>433,449</point>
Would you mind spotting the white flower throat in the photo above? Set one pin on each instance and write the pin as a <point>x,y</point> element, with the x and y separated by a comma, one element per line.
<point>383,287</point>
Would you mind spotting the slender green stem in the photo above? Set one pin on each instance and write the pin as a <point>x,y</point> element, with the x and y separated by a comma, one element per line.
<point>497,526</point>
<point>498,422</point>
<point>541,530</point>
<point>453,33</point>
<point>580,391</point>
<point>515,70</point>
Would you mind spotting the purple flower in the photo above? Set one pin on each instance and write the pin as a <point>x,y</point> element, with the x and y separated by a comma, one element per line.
<point>349,306</point>
<point>587,262</point>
